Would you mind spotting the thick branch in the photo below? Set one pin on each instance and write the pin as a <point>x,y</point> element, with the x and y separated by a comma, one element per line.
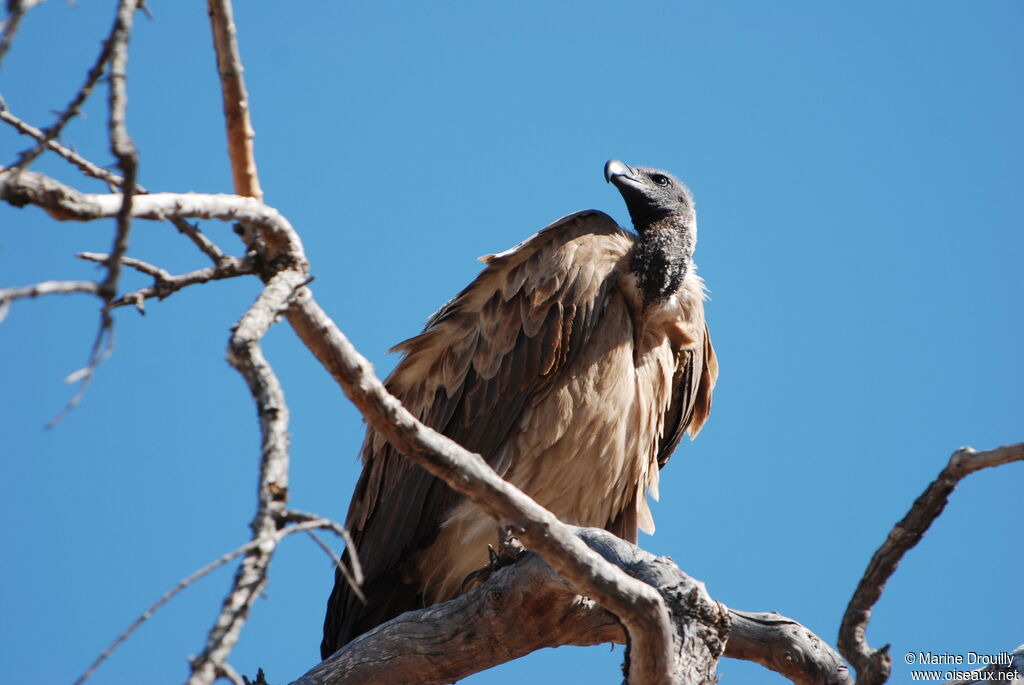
<point>245,354</point>
<point>639,605</point>
<point>873,666</point>
<point>517,611</point>
<point>786,647</point>
<point>67,204</point>
<point>236,100</point>
<point>528,606</point>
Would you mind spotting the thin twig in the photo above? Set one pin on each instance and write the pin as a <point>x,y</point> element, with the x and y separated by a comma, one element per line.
<point>346,574</point>
<point>144,267</point>
<point>165,283</point>
<point>339,530</point>
<point>84,165</point>
<point>121,145</point>
<point>8,295</point>
<point>192,232</point>
<point>874,666</point>
<point>110,178</point>
<point>235,98</point>
<point>190,580</point>
<point>48,288</point>
<point>74,107</point>
<point>122,148</point>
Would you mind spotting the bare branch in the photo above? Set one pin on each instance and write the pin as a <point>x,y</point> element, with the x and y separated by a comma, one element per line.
<point>113,180</point>
<point>192,232</point>
<point>339,530</point>
<point>8,295</point>
<point>74,107</point>
<point>874,666</point>
<point>168,596</point>
<point>432,646</point>
<point>641,607</point>
<point>349,577</point>
<point>786,647</point>
<point>83,164</point>
<point>49,288</point>
<point>67,204</point>
<point>236,100</point>
<point>122,148</point>
<point>528,606</point>
<point>204,571</point>
<point>637,604</point>
<point>967,460</point>
<point>165,283</point>
<point>145,267</point>
<point>245,355</point>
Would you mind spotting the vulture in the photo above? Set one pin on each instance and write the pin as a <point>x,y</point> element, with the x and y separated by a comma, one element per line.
<point>574,363</point>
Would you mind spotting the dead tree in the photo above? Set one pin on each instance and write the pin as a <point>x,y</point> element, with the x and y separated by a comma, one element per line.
<point>576,586</point>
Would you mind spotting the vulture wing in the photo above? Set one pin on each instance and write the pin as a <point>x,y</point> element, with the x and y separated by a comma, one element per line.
<point>481,359</point>
<point>695,376</point>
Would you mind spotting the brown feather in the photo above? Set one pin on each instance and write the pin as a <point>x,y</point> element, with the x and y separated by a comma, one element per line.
<point>533,366</point>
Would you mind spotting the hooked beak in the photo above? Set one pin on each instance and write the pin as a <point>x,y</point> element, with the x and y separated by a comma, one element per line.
<point>614,169</point>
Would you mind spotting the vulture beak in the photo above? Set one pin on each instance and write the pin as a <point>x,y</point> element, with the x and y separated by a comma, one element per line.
<point>614,169</point>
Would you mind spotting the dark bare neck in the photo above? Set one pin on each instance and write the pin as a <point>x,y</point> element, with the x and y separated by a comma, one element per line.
<point>661,259</point>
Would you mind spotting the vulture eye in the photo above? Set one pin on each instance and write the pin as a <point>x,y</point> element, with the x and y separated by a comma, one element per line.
<point>660,180</point>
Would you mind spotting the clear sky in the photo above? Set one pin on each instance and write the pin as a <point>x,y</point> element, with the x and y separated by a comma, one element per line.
<point>858,172</point>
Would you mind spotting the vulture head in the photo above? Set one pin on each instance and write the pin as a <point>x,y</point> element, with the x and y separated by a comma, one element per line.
<point>655,198</point>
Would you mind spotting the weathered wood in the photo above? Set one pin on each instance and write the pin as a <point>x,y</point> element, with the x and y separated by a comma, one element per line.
<point>528,606</point>
<point>786,647</point>
<point>874,665</point>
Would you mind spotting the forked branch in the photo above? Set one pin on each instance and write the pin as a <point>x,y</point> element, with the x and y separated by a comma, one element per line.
<point>527,606</point>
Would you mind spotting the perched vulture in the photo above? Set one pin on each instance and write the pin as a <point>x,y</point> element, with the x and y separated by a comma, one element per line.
<point>573,364</point>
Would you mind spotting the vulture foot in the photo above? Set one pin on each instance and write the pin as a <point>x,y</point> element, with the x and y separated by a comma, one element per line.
<point>509,551</point>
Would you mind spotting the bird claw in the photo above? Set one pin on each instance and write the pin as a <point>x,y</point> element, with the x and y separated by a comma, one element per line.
<point>509,551</point>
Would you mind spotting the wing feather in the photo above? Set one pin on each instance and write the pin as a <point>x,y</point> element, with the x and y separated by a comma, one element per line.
<point>470,374</point>
<point>693,382</point>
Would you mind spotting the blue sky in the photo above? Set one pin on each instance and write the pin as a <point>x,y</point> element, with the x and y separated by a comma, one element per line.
<point>857,170</point>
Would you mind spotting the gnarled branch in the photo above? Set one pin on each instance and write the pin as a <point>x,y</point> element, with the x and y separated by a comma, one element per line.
<point>638,605</point>
<point>874,665</point>
<point>245,354</point>
<point>528,606</point>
